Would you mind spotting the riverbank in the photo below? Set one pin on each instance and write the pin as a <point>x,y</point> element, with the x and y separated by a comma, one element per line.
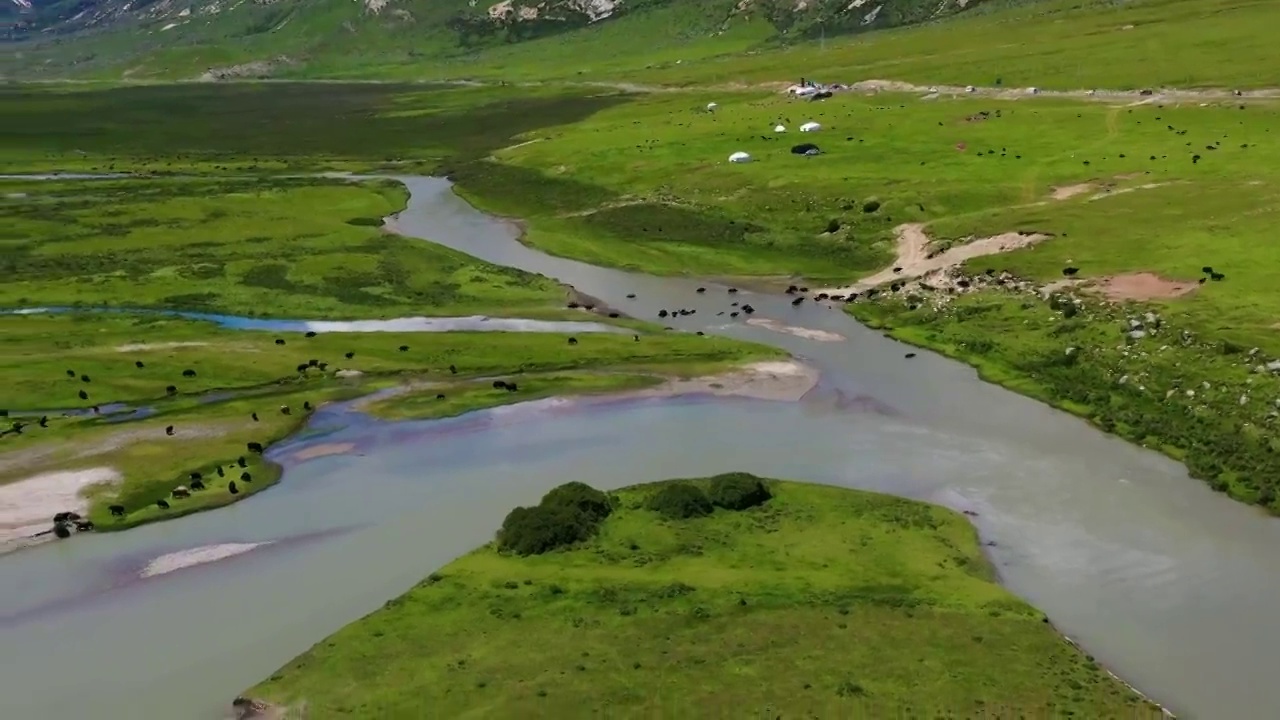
<point>746,598</point>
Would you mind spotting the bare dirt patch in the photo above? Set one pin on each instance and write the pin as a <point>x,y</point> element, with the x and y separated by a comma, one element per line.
<point>135,347</point>
<point>28,506</point>
<point>913,260</point>
<point>1066,192</point>
<point>1141,286</point>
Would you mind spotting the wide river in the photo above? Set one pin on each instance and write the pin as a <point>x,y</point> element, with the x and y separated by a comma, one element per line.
<point>1172,586</point>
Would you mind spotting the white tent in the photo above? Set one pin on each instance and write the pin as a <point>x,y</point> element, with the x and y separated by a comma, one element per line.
<point>810,127</point>
<point>970,88</point>
<point>802,91</point>
<point>739,157</point>
<point>780,128</point>
<point>1033,91</point>
<point>711,107</point>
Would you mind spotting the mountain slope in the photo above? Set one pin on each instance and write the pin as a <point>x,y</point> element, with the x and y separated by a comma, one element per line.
<point>185,38</point>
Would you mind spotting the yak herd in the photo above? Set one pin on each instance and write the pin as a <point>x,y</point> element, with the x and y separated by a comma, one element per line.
<point>65,522</point>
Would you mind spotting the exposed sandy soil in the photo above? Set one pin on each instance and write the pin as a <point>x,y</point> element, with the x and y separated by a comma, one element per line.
<point>135,347</point>
<point>1141,286</point>
<point>28,505</point>
<point>785,380</point>
<point>914,261</point>
<point>317,451</point>
<point>1066,192</point>
<point>806,333</point>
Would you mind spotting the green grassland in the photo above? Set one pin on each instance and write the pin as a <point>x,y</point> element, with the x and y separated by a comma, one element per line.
<point>285,247</point>
<point>647,185</point>
<point>262,128</point>
<point>1061,44</point>
<point>822,600</point>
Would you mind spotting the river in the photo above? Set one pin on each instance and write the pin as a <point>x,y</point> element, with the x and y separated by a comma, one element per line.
<point>1159,578</point>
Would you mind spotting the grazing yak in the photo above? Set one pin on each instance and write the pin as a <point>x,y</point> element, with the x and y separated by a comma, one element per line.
<point>116,510</point>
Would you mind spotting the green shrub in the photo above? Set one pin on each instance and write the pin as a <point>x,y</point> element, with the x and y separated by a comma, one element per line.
<point>535,530</point>
<point>581,497</point>
<point>738,491</point>
<point>681,501</point>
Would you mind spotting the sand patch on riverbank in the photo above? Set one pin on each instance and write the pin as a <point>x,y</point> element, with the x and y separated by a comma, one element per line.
<point>170,562</point>
<point>786,380</point>
<point>136,347</point>
<point>323,450</point>
<point>28,505</point>
<point>1141,286</point>
<point>806,333</point>
<point>1066,192</point>
<point>914,259</point>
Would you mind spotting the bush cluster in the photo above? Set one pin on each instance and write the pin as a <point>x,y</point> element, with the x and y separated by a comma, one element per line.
<point>567,514</point>
<point>738,491</point>
<point>680,501</point>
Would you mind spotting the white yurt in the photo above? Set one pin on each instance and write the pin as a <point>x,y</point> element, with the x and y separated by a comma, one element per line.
<point>810,127</point>
<point>711,107</point>
<point>780,128</point>
<point>739,157</point>
<point>970,88</point>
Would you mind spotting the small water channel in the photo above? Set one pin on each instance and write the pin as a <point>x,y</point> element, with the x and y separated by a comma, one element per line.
<point>1161,579</point>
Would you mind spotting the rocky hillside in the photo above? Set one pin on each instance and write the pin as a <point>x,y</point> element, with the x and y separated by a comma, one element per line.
<point>279,32</point>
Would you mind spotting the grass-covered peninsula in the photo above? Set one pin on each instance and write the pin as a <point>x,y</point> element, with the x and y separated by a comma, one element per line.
<point>723,596</point>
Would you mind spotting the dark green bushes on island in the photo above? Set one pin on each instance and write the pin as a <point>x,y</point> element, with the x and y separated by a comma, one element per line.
<point>580,497</point>
<point>542,528</point>
<point>681,501</point>
<point>738,491</point>
<point>566,515</point>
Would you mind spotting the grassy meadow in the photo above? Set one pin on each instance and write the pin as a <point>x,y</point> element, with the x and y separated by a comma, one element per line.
<point>784,608</point>
<point>1063,44</point>
<point>296,248</point>
<point>263,128</point>
<point>647,185</point>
